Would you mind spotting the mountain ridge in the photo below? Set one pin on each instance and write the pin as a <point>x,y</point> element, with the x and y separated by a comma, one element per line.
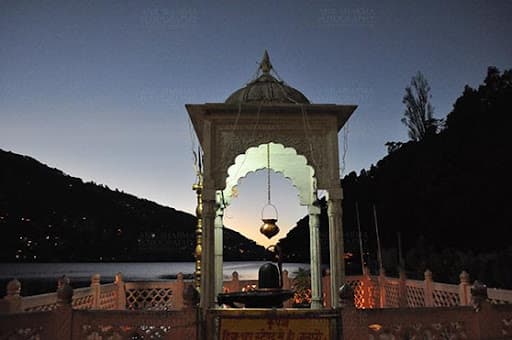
<point>47,215</point>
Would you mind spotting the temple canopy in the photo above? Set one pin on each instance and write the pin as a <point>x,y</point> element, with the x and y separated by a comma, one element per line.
<point>302,141</point>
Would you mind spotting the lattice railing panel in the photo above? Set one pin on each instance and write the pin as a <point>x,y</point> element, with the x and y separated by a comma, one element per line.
<point>83,298</point>
<point>445,298</point>
<point>149,298</point>
<point>356,285</point>
<point>499,302</point>
<point>39,303</point>
<point>375,291</point>
<point>42,308</point>
<point>108,297</point>
<point>392,293</point>
<point>415,296</point>
<point>499,296</point>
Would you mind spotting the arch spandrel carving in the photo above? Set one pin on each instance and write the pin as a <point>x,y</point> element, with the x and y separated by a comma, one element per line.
<point>284,160</point>
<point>317,148</point>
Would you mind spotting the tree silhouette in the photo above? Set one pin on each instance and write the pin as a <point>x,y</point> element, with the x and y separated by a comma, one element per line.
<point>418,110</point>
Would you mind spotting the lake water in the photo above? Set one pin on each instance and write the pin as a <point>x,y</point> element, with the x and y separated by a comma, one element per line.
<point>42,277</point>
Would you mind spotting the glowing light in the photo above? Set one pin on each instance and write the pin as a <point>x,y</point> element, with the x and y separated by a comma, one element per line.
<point>375,327</point>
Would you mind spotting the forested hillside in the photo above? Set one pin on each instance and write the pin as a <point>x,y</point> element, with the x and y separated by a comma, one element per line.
<point>46,215</point>
<point>447,195</point>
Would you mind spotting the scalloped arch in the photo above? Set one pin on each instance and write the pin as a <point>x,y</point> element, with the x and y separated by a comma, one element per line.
<point>284,160</point>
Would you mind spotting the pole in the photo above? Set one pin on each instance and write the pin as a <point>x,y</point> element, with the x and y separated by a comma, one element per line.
<point>400,254</point>
<point>360,238</point>
<point>379,250</point>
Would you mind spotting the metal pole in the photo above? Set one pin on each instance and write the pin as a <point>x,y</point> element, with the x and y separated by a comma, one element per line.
<point>379,250</point>
<point>400,254</point>
<point>360,238</point>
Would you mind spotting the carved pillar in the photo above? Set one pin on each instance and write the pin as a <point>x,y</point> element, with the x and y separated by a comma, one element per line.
<point>315,255</point>
<point>336,243</point>
<point>207,254</point>
<point>218,262</point>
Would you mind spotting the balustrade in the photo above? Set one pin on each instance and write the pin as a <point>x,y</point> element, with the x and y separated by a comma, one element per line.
<point>163,310</point>
<point>369,292</point>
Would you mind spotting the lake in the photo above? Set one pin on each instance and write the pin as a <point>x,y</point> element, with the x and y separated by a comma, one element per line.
<point>39,278</point>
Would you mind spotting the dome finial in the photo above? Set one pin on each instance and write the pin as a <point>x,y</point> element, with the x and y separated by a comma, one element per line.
<point>265,65</point>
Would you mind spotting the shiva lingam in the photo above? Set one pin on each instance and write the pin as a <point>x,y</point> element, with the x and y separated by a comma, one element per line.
<point>270,292</point>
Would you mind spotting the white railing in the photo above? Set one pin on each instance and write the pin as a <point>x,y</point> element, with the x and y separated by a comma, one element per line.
<point>126,310</point>
<point>369,292</point>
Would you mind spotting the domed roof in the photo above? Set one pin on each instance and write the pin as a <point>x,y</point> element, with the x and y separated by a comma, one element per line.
<point>267,89</point>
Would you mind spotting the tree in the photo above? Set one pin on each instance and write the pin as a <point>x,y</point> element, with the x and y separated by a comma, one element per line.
<point>418,110</point>
<point>485,109</point>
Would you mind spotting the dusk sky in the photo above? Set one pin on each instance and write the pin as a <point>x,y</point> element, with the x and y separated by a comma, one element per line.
<point>98,88</point>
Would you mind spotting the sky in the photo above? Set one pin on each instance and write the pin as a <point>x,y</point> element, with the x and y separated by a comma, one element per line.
<point>98,88</point>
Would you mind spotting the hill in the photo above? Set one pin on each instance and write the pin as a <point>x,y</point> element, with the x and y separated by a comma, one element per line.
<point>46,215</point>
<point>446,195</point>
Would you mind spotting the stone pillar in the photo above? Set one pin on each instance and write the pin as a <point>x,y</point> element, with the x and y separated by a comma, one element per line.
<point>428,289</point>
<point>402,289</point>
<point>326,285</point>
<point>64,293</point>
<point>190,297</point>
<point>95,290</point>
<point>235,282</point>
<point>286,280</point>
<point>464,289</point>
<point>382,287</point>
<point>12,301</point>
<point>207,295</point>
<point>315,254</point>
<point>219,215</point>
<point>63,329</point>
<point>179,291</point>
<point>337,267</point>
<point>287,284</point>
<point>478,295</point>
<point>121,292</point>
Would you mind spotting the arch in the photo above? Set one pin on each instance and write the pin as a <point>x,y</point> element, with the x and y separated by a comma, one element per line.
<point>284,160</point>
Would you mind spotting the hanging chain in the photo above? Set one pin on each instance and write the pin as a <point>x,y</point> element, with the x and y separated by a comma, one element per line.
<point>268,173</point>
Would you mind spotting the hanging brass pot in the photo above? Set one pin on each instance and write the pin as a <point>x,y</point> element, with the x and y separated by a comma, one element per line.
<point>269,227</point>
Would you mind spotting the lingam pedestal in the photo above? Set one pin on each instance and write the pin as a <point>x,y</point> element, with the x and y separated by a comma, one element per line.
<point>269,293</point>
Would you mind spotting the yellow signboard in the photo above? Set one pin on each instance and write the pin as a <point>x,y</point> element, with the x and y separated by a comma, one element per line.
<point>274,329</point>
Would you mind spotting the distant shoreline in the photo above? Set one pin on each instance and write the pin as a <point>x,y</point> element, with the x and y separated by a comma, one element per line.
<point>39,278</point>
